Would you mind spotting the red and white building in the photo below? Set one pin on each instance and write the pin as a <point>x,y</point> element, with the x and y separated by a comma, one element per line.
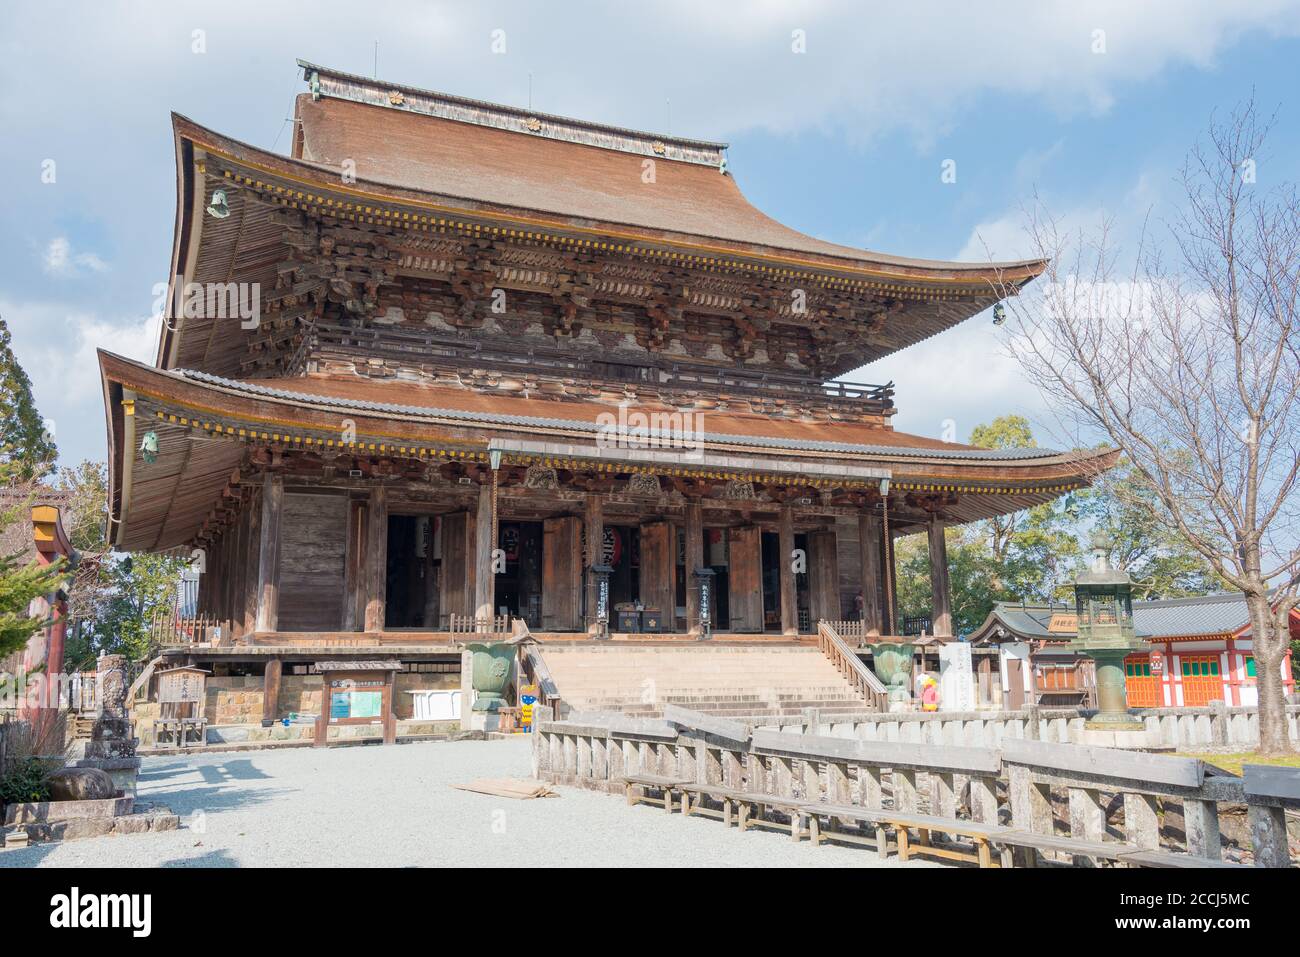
<point>1200,650</point>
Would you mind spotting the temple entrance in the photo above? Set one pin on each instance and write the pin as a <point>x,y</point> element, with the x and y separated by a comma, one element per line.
<point>771,572</point>
<point>412,574</point>
<point>519,587</point>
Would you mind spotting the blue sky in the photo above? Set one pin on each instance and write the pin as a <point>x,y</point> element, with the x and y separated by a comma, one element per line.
<point>1092,105</point>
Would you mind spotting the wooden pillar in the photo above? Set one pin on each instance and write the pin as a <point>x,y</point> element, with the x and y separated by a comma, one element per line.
<point>789,597</point>
<point>253,546</point>
<point>376,564</point>
<point>389,706</point>
<point>941,610</point>
<point>889,591</point>
<point>594,527</point>
<point>271,689</point>
<point>694,560</point>
<point>745,578</point>
<point>240,570</point>
<point>485,578</point>
<point>823,576</point>
<point>869,534</point>
<point>659,570</point>
<point>268,563</point>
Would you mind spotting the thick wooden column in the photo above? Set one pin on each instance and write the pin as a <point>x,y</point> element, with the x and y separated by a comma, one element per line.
<point>659,570</point>
<point>253,546</point>
<point>268,562</point>
<point>789,596</point>
<point>745,578</point>
<point>694,560</point>
<point>562,573</point>
<point>485,579</point>
<point>376,564</point>
<point>869,533</point>
<point>889,589</point>
<point>595,531</point>
<point>941,609</point>
<point>271,689</point>
<point>823,576</point>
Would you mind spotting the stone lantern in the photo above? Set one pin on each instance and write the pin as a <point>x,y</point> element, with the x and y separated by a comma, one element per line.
<point>1104,602</point>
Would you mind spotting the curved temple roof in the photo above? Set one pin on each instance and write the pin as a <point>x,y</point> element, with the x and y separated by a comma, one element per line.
<point>204,421</point>
<point>488,153</point>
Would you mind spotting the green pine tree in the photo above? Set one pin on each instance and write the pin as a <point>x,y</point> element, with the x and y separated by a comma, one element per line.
<point>25,446</point>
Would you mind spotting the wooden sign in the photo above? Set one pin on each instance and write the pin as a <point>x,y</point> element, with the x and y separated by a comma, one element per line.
<point>1064,622</point>
<point>181,686</point>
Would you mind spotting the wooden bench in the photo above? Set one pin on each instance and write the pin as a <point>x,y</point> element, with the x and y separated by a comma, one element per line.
<point>1154,858</point>
<point>636,786</point>
<point>903,822</point>
<point>1111,851</point>
<point>750,807</point>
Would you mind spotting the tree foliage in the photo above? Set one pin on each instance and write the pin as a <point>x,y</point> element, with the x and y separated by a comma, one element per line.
<point>26,449</point>
<point>1034,555</point>
<point>1185,356</point>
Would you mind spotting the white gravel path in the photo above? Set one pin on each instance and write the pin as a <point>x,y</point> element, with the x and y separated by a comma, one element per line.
<point>394,806</point>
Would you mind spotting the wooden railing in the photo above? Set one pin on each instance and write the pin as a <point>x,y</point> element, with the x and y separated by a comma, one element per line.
<point>852,630</point>
<point>430,348</point>
<point>537,673</point>
<point>167,629</point>
<point>916,625</point>
<point>850,666</point>
<point>467,626</point>
<point>1018,793</point>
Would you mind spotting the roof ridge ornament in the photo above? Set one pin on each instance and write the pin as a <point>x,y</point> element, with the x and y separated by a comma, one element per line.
<point>324,82</point>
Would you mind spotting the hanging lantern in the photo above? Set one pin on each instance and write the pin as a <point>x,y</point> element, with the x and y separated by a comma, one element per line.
<point>149,447</point>
<point>219,208</point>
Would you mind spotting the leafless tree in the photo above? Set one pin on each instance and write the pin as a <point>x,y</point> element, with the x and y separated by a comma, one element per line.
<point>1191,367</point>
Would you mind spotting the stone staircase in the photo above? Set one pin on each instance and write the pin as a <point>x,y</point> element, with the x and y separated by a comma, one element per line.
<point>757,680</point>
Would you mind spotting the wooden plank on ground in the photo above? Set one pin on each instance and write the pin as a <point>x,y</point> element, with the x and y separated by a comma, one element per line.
<point>509,788</point>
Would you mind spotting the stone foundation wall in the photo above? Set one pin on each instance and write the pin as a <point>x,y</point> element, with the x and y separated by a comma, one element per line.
<point>238,700</point>
<point>299,694</point>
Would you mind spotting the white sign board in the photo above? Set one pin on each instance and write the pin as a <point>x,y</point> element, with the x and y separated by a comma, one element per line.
<point>956,677</point>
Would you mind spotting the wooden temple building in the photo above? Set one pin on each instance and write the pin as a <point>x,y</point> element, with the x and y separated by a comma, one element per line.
<point>494,350</point>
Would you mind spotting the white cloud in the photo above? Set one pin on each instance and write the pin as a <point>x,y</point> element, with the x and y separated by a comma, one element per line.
<point>867,66</point>
<point>56,345</point>
<point>60,260</point>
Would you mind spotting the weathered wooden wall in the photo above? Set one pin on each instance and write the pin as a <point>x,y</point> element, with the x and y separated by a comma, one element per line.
<point>659,570</point>
<point>745,578</point>
<point>313,538</point>
<point>561,573</point>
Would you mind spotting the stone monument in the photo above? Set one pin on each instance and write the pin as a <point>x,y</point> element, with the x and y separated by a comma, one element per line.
<point>111,747</point>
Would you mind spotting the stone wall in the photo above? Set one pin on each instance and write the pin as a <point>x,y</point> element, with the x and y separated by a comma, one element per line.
<point>238,700</point>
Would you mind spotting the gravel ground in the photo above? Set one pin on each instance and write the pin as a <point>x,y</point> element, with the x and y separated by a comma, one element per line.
<point>394,806</point>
